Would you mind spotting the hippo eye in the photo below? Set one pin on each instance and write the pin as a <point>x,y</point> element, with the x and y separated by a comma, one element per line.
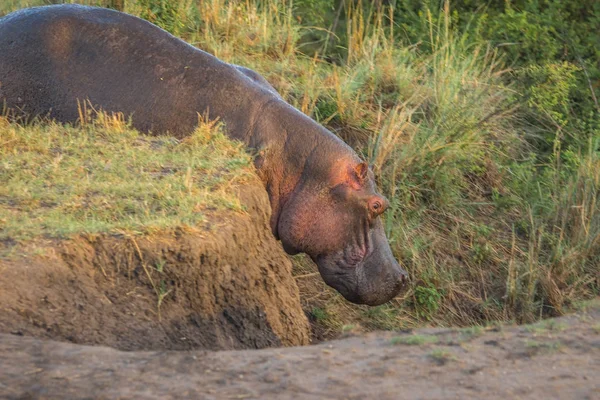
<point>376,206</point>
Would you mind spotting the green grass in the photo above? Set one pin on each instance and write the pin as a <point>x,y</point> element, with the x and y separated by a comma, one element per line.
<point>471,332</point>
<point>319,314</point>
<point>546,326</point>
<point>441,356</point>
<point>493,184</point>
<point>414,340</point>
<point>58,181</point>
<point>547,347</point>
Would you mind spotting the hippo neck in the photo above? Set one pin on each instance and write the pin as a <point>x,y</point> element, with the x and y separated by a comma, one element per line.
<point>291,149</point>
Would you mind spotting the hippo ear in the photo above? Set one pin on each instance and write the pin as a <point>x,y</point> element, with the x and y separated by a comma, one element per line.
<point>361,171</point>
<point>360,174</point>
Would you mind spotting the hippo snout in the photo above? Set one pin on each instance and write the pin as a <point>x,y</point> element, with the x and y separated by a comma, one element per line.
<point>376,280</point>
<point>379,281</point>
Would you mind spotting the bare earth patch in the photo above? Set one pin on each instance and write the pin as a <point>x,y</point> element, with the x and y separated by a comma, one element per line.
<point>557,359</point>
<point>226,287</point>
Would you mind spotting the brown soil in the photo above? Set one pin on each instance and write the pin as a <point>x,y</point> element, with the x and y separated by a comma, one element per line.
<point>553,360</point>
<point>229,287</point>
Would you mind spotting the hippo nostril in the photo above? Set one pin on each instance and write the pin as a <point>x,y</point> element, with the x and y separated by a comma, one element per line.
<point>403,278</point>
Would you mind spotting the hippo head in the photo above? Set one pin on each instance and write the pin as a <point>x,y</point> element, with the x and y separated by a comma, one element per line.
<point>334,217</point>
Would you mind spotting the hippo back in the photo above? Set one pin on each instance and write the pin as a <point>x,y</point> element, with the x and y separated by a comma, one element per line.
<point>56,58</point>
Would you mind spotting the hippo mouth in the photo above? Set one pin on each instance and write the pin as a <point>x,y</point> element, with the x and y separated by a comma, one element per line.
<point>362,278</point>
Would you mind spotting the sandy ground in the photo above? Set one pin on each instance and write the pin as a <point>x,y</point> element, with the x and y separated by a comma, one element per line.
<point>555,359</point>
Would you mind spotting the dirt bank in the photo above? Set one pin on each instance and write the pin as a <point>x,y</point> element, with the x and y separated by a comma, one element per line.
<point>228,286</point>
<point>557,359</point>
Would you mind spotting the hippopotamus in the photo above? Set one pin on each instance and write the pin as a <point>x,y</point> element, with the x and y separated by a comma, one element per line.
<point>324,200</point>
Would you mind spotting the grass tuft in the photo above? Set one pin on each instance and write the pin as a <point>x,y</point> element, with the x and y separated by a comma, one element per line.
<point>59,181</point>
<point>442,357</point>
<point>414,340</point>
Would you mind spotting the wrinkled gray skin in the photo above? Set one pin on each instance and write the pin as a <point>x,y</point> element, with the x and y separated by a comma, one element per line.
<point>324,201</point>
